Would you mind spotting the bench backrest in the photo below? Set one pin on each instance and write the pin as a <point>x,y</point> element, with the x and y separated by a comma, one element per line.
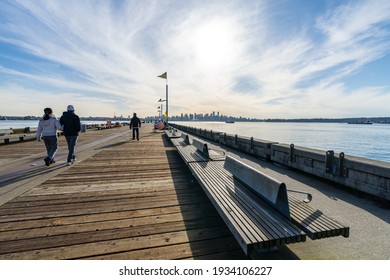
<point>201,146</point>
<point>271,190</point>
<point>186,138</point>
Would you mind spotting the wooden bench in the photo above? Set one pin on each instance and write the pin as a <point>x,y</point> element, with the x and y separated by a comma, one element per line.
<point>195,150</point>
<point>172,133</point>
<point>203,148</point>
<point>312,221</point>
<point>254,223</point>
<point>183,140</point>
<point>257,208</point>
<point>189,152</point>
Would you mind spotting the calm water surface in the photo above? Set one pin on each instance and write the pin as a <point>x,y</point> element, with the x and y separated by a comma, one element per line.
<point>21,124</point>
<point>369,141</point>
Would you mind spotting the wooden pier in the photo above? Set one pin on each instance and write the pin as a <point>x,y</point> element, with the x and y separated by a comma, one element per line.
<point>129,200</point>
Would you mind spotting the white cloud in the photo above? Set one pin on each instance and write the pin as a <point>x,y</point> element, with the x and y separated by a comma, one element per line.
<point>106,56</point>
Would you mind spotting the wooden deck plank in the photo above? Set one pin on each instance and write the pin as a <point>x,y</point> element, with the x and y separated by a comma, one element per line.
<point>183,251</point>
<point>110,216</point>
<point>57,229</point>
<point>135,200</point>
<point>120,245</point>
<point>98,196</point>
<point>85,237</point>
<point>102,207</point>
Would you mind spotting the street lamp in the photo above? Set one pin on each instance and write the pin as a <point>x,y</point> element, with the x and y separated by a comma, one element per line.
<point>159,111</point>
<point>165,76</point>
<point>161,107</point>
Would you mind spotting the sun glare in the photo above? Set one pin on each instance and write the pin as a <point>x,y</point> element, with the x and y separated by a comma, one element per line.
<point>213,44</point>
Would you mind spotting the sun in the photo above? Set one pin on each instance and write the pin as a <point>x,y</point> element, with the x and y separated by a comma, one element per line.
<point>214,44</point>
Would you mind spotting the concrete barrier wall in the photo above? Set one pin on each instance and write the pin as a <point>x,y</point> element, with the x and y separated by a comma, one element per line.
<point>369,176</point>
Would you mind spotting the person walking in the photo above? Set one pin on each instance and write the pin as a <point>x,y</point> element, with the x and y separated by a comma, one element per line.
<point>71,127</point>
<point>47,130</point>
<point>135,124</point>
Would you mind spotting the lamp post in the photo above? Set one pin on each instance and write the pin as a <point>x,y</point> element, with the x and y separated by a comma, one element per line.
<point>161,107</point>
<point>165,76</point>
<point>159,111</point>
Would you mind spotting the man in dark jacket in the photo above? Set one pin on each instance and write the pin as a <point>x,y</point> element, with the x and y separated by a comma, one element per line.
<point>135,124</point>
<point>71,128</point>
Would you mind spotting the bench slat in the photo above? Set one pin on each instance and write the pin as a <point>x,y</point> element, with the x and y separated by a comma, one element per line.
<point>223,192</point>
<point>230,217</point>
<point>190,154</point>
<point>312,220</point>
<point>241,212</point>
<point>263,185</point>
<point>182,140</point>
<point>316,224</point>
<point>172,133</point>
<point>203,149</point>
<point>178,141</point>
<point>278,225</point>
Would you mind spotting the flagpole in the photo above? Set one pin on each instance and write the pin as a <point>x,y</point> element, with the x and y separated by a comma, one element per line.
<point>165,76</point>
<point>166,97</point>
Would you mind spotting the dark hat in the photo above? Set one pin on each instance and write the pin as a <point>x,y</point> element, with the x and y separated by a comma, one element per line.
<point>48,111</point>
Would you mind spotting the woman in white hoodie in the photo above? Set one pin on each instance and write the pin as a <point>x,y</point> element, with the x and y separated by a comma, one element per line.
<point>47,130</point>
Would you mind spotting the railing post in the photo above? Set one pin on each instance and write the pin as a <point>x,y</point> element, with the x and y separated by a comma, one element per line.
<point>341,164</point>
<point>292,156</point>
<point>329,161</point>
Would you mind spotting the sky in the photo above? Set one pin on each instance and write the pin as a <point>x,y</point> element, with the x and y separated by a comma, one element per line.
<point>253,58</point>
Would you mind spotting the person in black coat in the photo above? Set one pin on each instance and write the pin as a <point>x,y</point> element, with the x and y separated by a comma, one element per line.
<point>71,128</point>
<point>135,124</point>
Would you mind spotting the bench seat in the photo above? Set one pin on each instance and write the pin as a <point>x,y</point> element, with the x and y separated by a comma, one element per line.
<point>172,133</point>
<point>178,141</point>
<point>254,223</point>
<point>314,222</point>
<point>190,154</point>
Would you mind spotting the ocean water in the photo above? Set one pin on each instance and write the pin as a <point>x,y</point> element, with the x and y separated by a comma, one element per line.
<point>33,124</point>
<point>368,141</point>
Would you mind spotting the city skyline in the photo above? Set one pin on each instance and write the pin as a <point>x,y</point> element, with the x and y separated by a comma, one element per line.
<point>259,59</point>
<point>216,116</point>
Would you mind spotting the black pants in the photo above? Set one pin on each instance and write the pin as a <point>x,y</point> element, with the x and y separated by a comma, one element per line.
<point>135,131</point>
<point>71,140</point>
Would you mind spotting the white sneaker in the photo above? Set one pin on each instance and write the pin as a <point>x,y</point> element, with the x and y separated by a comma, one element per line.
<point>69,163</point>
